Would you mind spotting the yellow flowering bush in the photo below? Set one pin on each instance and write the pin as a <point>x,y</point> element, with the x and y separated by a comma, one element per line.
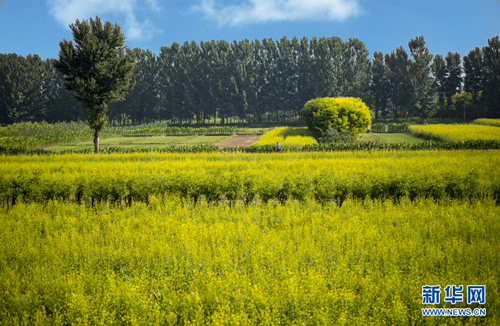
<point>343,113</point>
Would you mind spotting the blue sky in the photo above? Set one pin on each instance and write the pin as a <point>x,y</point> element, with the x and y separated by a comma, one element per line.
<point>37,26</point>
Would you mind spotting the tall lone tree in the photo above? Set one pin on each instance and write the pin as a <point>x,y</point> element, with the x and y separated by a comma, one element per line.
<point>96,68</point>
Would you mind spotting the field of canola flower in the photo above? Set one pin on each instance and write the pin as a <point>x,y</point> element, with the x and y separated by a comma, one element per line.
<point>215,177</point>
<point>176,263</point>
<point>287,136</point>
<point>212,238</point>
<point>446,132</point>
<point>493,122</point>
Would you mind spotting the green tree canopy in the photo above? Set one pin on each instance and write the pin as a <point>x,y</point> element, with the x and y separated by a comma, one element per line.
<point>21,85</point>
<point>421,83</point>
<point>491,75</point>
<point>379,84</point>
<point>397,73</point>
<point>343,113</point>
<point>251,81</point>
<point>96,68</point>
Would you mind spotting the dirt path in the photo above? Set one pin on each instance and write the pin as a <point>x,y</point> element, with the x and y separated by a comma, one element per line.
<point>244,140</point>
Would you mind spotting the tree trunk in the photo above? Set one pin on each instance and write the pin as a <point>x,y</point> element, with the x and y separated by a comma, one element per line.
<point>97,132</point>
<point>464,107</point>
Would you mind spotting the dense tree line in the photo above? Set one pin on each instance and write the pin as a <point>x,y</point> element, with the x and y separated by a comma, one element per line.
<point>32,90</point>
<point>418,84</point>
<point>268,80</point>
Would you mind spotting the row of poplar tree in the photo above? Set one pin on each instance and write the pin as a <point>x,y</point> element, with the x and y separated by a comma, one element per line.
<point>267,80</point>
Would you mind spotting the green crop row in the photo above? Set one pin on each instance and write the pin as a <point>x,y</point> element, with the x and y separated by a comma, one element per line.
<point>202,148</point>
<point>21,136</point>
<point>27,129</point>
<point>373,146</point>
<point>146,130</point>
<point>331,147</point>
<point>28,142</point>
<point>390,127</point>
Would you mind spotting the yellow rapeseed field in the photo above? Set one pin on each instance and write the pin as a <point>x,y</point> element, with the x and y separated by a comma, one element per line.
<point>456,132</point>
<point>279,176</point>
<point>75,251</point>
<point>287,136</point>
<point>494,122</point>
<point>175,263</point>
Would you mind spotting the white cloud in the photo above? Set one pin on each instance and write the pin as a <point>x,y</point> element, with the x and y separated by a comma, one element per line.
<point>279,10</point>
<point>154,5</point>
<point>67,11</point>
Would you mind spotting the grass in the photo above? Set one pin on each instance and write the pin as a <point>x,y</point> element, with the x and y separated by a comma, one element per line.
<point>161,141</point>
<point>390,138</point>
<point>141,142</point>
